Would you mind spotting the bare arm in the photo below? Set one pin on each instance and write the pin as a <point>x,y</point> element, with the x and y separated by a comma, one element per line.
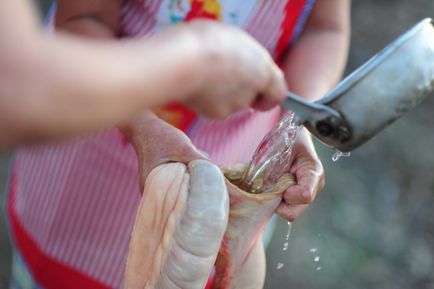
<point>312,67</point>
<point>317,61</point>
<point>65,85</point>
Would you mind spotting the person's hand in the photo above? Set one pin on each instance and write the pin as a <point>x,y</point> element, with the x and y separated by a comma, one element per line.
<point>309,174</point>
<point>157,142</point>
<point>236,72</point>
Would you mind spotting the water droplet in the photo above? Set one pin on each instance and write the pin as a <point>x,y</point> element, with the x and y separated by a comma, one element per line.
<point>313,250</point>
<point>285,245</point>
<point>316,259</point>
<point>318,268</point>
<point>289,231</point>
<point>338,154</point>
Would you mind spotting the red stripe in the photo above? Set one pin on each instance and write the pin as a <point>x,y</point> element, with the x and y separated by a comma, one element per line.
<point>126,15</point>
<point>293,10</point>
<point>83,214</point>
<point>46,271</point>
<point>105,232</point>
<point>131,19</point>
<point>33,184</point>
<point>53,196</point>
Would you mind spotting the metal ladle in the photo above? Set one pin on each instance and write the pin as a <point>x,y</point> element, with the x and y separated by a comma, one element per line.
<point>373,96</point>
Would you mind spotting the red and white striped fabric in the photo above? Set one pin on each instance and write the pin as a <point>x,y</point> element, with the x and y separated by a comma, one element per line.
<point>72,205</point>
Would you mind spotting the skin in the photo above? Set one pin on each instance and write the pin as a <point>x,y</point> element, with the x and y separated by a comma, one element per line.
<point>311,68</point>
<point>67,85</point>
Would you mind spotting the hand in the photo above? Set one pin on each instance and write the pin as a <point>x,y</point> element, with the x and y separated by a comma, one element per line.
<point>237,72</point>
<point>157,142</point>
<point>309,173</point>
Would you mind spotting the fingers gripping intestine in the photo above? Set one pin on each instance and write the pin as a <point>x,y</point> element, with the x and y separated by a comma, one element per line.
<point>179,227</point>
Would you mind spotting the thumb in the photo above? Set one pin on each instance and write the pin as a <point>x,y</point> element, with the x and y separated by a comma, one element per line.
<point>183,152</point>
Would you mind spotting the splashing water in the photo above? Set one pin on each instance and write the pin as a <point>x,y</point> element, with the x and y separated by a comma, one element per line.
<point>338,154</point>
<point>316,258</point>
<point>271,159</point>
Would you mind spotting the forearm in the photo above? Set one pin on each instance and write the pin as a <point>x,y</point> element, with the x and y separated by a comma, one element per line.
<point>65,85</point>
<point>141,128</point>
<point>316,63</point>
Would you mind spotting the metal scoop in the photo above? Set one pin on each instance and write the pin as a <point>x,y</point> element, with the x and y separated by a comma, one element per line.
<point>372,97</point>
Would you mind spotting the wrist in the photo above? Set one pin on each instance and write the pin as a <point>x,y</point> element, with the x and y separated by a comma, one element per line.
<point>184,61</point>
<point>139,127</point>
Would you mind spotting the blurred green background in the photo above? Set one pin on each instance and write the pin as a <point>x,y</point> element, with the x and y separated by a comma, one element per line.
<point>373,225</point>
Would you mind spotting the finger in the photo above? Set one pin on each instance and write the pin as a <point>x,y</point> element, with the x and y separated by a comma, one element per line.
<point>275,91</point>
<point>309,182</point>
<point>187,153</point>
<point>183,152</point>
<point>212,111</point>
<point>290,212</point>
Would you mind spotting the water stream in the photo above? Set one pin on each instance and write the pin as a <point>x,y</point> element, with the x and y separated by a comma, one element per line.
<point>271,159</point>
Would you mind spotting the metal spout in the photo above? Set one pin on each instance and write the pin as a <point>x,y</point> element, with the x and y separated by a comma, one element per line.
<point>376,94</point>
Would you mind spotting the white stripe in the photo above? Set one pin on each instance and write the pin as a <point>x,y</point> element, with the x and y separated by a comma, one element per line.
<point>70,196</point>
<point>250,16</point>
<point>92,197</point>
<point>131,19</point>
<point>106,220</point>
<point>126,190</point>
<point>59,166</point>
<point>278,15</point>
<point>267,25</point>
<point>258,19</point>
<point>126,15</point>
<point>35,190</point>
<point>127,225</point>
<point>69,153</point>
